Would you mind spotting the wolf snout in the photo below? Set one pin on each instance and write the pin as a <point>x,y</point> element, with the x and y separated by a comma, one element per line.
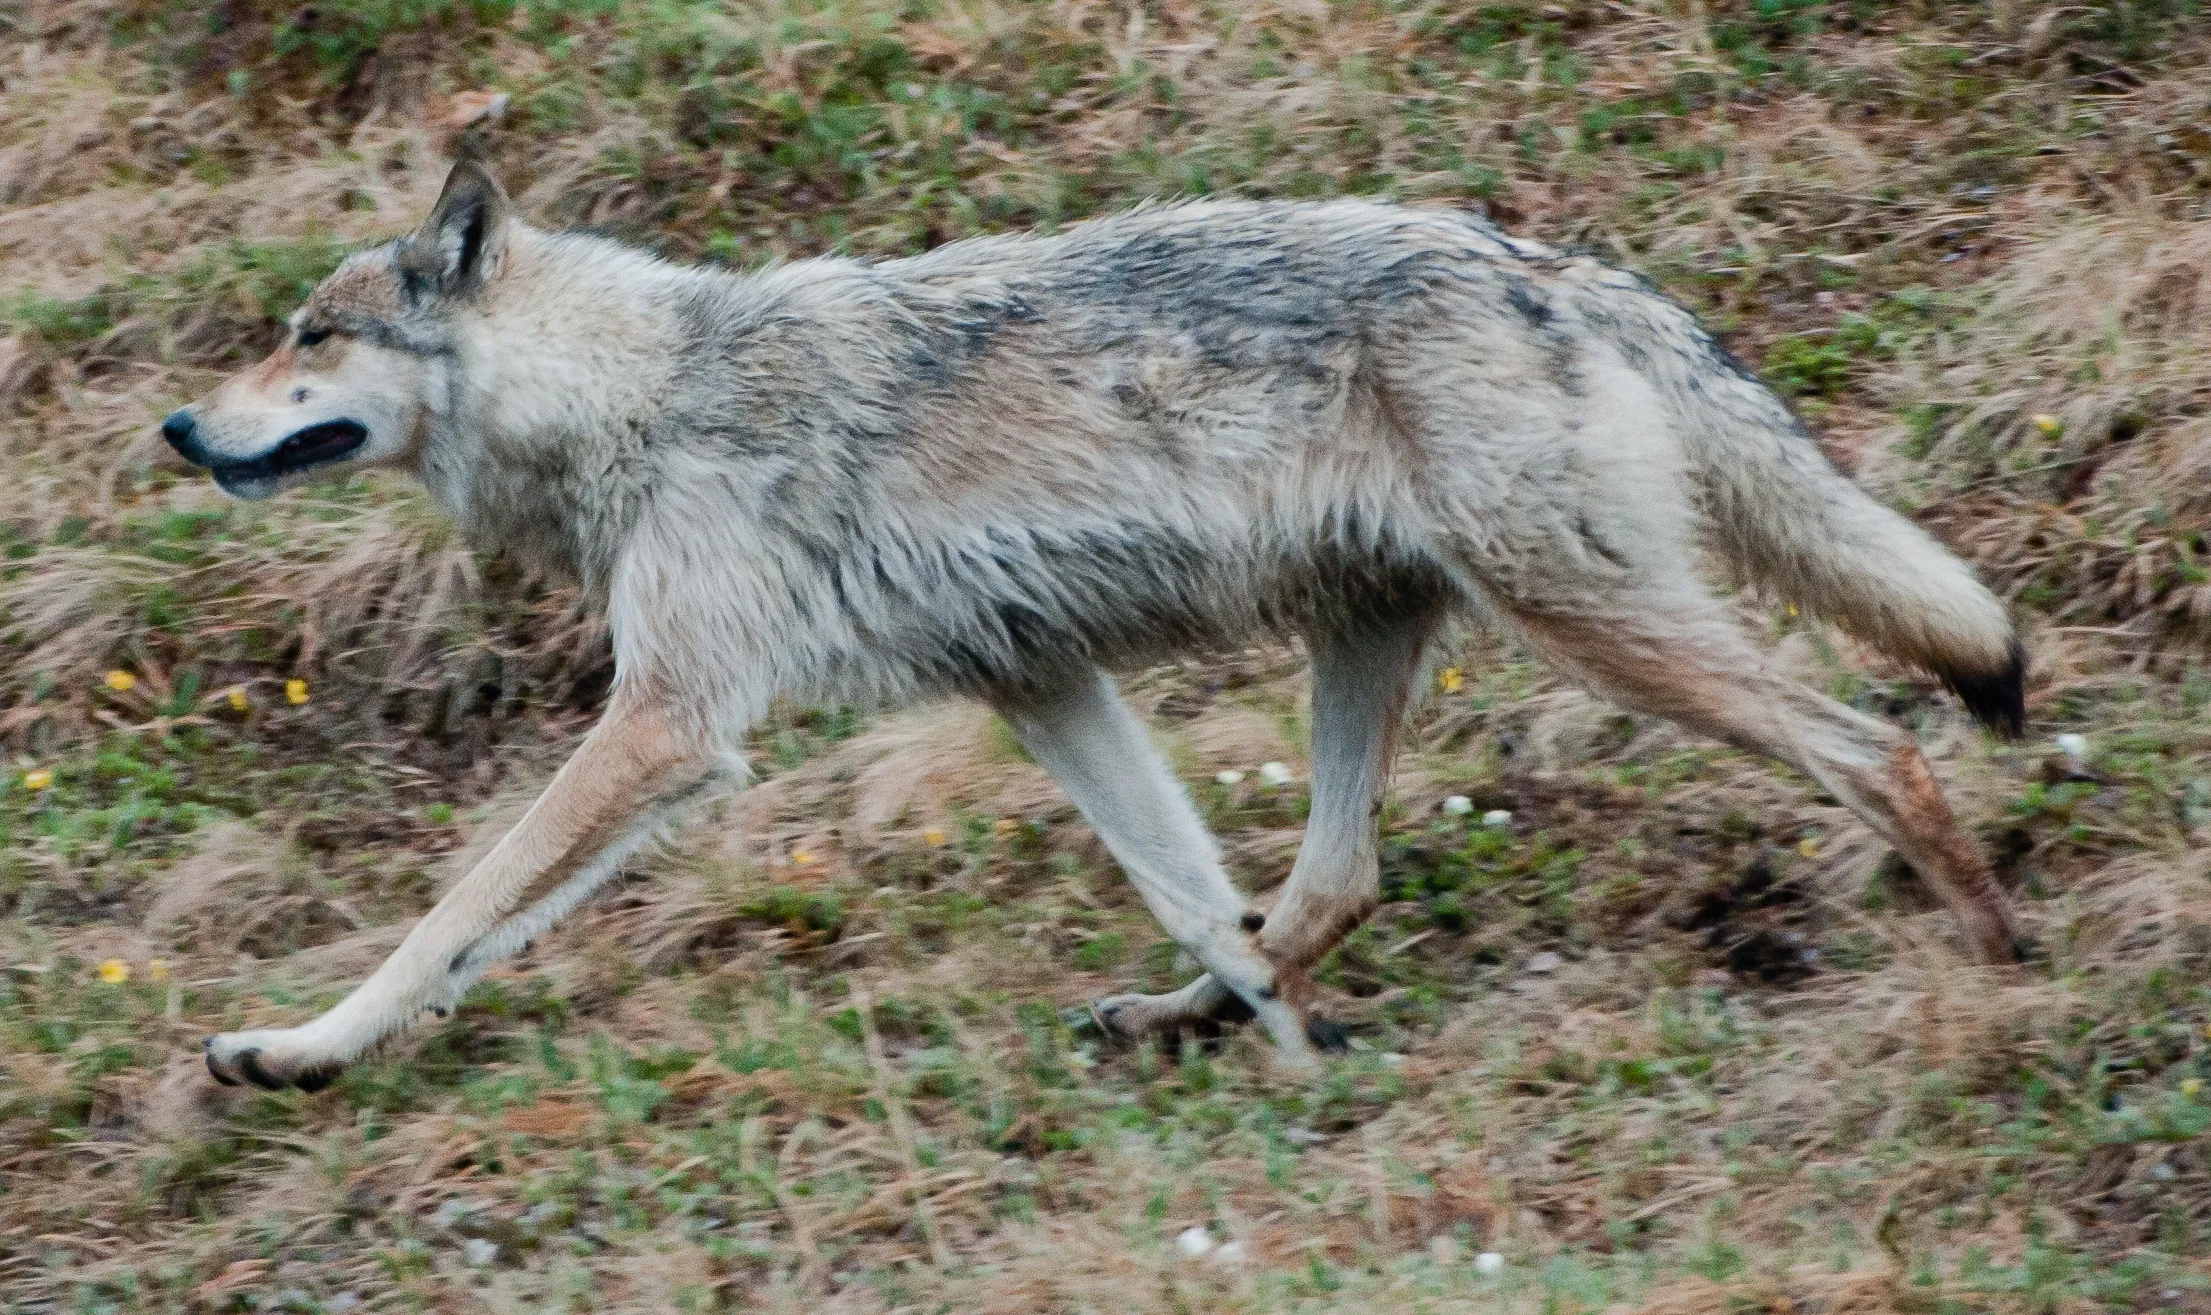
<point>323,443</point>
<point>182,431</point>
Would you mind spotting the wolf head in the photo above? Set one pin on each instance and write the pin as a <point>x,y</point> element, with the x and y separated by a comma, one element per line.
<point>361,371</point>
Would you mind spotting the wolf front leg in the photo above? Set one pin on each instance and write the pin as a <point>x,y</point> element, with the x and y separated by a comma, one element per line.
<point>1101,756</point>
<point>600,806</point>
<point>1362,680</point>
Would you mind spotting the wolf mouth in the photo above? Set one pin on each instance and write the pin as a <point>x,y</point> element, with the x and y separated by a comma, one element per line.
<point>316,445</point>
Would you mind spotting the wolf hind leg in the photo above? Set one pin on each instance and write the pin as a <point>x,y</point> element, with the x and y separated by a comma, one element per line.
<point>1665,647</point>
<point>1362,680</point>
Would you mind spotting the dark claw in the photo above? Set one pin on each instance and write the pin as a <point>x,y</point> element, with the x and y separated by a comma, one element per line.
<point>207,1048</point>
<point>250,1062</point>
<point>1205,1029</point>
<point>1327,1034</point>
<point>314,1080</point>
<point>1103,1021</point>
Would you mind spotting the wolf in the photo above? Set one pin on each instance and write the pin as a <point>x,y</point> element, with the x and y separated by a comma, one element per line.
<point>1008,466</point>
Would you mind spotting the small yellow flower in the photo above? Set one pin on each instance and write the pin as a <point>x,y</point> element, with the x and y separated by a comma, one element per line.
<point>2191,1087</point>
<point>1808,847</point>
<point>2047,423</point>
<point>933,838</point>
<point>115,972</point>
<point>120,681</point>
<point>1450,679</point>
<point>1792,609</point>
<point>157,969</point>
<point>295,692</point>
<point>238,700</point>
<point>802,857</point>
<point>38,778</point>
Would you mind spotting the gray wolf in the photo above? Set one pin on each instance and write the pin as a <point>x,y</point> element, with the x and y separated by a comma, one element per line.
<point>1007,466</point>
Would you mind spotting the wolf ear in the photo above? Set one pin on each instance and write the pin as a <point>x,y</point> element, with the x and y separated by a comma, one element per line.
<point>459,243</point>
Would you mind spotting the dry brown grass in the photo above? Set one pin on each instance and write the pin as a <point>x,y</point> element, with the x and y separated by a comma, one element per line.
<point>2069,444</point>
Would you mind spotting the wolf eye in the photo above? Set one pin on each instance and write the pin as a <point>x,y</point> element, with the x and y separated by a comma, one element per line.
<point>309,337</point>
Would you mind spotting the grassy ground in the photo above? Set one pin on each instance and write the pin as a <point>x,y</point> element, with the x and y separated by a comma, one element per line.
<point>1680,1037</point>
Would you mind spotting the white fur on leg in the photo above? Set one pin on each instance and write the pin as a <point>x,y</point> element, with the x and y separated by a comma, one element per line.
<point>1099,753</point>
<point>1361,683</point>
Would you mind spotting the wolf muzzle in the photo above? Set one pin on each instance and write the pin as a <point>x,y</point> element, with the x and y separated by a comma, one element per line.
<point>317,444</point>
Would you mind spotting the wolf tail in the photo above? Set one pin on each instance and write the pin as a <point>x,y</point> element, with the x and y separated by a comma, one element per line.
<point>1789,520</point>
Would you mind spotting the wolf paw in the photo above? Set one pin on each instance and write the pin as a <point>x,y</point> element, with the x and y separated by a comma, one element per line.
<point>272,1060</point>
<point>1130,1018</point>
<point>1327,1035</point>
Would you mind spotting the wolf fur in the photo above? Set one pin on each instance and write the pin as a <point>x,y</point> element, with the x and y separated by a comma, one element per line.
<point>1006,466</point>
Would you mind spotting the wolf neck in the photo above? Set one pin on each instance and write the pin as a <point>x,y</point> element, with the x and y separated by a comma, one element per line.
<point>543,445</point>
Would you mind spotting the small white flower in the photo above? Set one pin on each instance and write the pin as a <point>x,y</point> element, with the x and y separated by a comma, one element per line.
<point>2074,747</point>
<point>1230,777</point>
<point>1230,1253</point>
<point>480,1251</point>
<point>1274,774</point>
<point>1195,1240</point>
<point>1497,817</point>
<point>1489,1264</point>
<point>1458,805</point>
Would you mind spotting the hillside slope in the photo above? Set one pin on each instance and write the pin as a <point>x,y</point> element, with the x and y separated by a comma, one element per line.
<point>1678,1036</point>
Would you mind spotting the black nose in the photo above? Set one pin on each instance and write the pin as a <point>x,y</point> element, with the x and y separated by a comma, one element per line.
<point>178,430</point>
